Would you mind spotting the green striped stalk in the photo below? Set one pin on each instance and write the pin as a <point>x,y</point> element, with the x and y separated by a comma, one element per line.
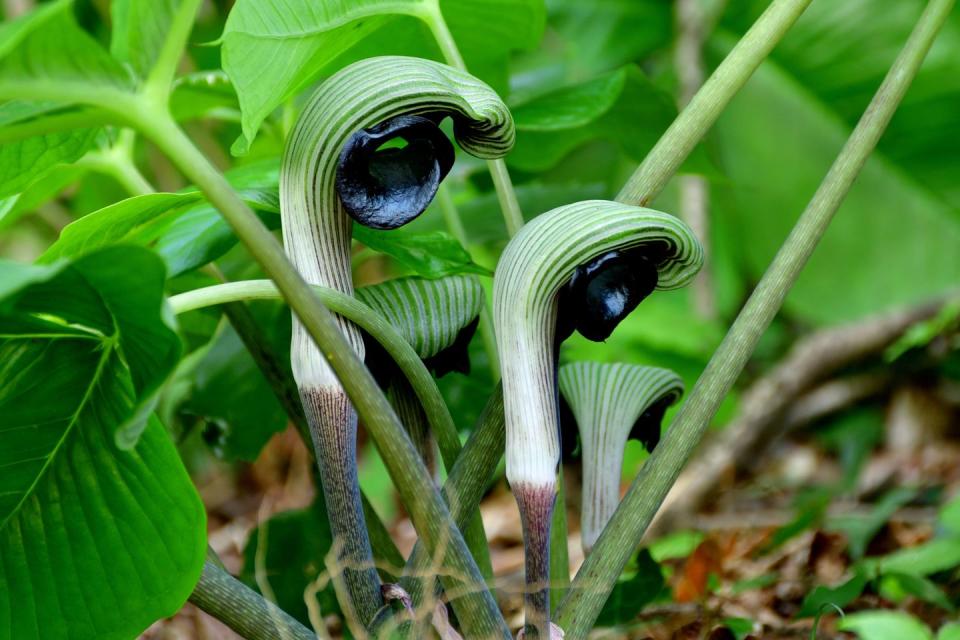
<point>342,115</point>
<point>533,268</point>
<point>609,401</point>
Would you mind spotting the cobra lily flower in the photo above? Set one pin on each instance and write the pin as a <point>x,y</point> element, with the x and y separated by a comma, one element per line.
<point>438,318</point>
<point>591,263</point>
<point>613,403</point>
<point>337,168</point>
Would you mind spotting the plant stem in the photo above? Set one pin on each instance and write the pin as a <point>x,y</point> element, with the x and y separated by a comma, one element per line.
<point>455,224</point>
<point>694,189</point>
<point>160,80</point>
<point>705,107</point>
<point>243,609</point>
<point>596,578</point>
<point>466,482</point>
<point>360,314</point>
<point>506,195</point>
<point>117,162</point>
<point>559,553</point>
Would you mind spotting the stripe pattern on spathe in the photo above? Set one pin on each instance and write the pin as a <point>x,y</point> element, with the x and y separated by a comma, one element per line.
<point>316,230</point>
<point>533,267</point>
<point>607,399</point>
<point>429,314</point>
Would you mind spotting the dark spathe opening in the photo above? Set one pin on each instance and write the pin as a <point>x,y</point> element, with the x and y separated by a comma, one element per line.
<point>604,291</point>
<point>389,173</point>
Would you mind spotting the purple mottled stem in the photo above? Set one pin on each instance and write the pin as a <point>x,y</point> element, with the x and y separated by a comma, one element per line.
<point>333,426</point>
<point>536,512</point>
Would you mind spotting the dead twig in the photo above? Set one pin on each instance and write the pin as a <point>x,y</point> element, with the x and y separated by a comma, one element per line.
<point>766,403</point>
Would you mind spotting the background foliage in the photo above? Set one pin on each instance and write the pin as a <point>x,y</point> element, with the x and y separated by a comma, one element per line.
<point>592,86</point>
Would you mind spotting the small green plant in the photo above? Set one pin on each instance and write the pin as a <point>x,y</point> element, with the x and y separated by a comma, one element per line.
<point>101,530</point>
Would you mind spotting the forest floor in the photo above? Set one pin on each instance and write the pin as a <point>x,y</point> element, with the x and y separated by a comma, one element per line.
<point>742,568</point>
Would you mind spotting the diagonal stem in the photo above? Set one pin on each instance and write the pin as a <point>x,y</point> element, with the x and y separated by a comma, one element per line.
<point>706,106</point>
<point>599,572</point>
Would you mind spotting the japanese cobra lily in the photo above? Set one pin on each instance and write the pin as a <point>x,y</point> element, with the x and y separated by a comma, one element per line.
<point>334,172</point>
<point>579,267</point>
<point>438,318</point>
<point>612,403</point>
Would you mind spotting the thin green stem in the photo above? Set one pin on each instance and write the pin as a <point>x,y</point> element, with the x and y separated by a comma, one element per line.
<point>466,482</point>
<point>117,163</point>
<point>476,610</point>
<point>559,553</point>
<point>159,82</point>
<point>709,102</point>
<point>243,609</point>
<point>451,216</point>
<point>599,572</point>
<point>506,195</point>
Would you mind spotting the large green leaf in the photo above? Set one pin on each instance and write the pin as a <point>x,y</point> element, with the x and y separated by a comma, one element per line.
<point>601,36</point>
<point>433,254</point>
<point>273,49</point>
<point>97,541</point>
<point>47,52</point>
<point>621,107</point>
<point>115,295</point>
<point>182,228</point>
<point>894,240</point>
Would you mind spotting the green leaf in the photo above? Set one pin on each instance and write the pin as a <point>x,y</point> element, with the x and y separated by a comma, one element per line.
<point>432,255</point>
<point>302,39</point>
<point>629,596</point>
<point>116,295</point>
<point>600,36</point>
<point>140,28</point>
<point>272,49</point>
<point>923,333</point>
<point>41,190</point>
<point>939,554</point>
<point>292,548</point>
<point>25,161</point>
<point>949,518</point>
<point>817,601</point>
<point>573,106</point>
<point>623,107</point>
<point>46,52</point>
<point>896,233</point>
<point>884,625</point>
<point>949,631</point>
<point>896,586</point>
<point>98,542</point>
<point>182,228</point>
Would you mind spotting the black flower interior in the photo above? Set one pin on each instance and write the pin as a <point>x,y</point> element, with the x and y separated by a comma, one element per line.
<point>384,186</point>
